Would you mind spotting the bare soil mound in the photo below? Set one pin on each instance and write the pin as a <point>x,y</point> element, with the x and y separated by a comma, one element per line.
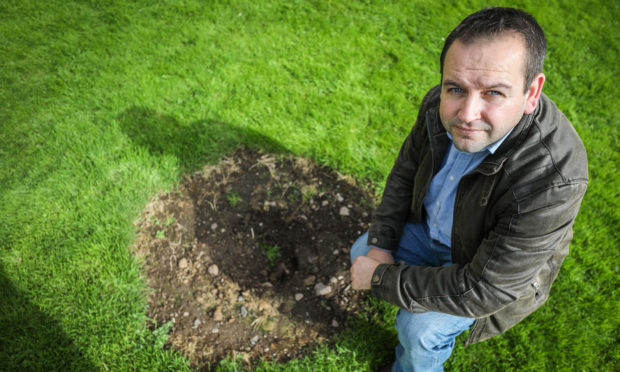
<point>250,257</point>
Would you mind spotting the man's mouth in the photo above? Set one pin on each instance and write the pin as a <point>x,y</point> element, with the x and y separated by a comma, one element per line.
<point>467,131</point>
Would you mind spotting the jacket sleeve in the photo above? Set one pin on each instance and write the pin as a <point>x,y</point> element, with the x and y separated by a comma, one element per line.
<point>390,216</point>
<point>519,258</point>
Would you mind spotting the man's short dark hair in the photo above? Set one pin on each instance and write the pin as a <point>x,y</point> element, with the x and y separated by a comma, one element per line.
<point>494,21</point>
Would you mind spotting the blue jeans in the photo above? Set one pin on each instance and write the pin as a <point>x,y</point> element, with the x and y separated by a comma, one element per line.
<point>426,339</point>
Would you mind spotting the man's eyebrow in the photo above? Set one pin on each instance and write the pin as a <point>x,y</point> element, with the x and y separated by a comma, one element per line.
<point>500,85</point>
<point>492,86</point>
<point>450,82</point>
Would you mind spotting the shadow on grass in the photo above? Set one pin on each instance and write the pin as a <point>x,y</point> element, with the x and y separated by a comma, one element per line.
<point>32,341</point>
<point>370,341</point>
<point>206,141</point>
<point>192,144</point>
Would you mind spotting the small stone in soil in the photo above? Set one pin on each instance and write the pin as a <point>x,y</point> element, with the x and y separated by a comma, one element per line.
<point>217,315</point>
<point>322,289</point>
<point>214,270</point>
<point>309,280</point>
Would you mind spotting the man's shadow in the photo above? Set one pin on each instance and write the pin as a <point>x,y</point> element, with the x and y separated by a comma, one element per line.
<point>192,144</point>
<point>31,340</point>
<point>206,141</point>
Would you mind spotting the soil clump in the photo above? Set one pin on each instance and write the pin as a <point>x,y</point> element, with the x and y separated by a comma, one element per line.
<point>250,257</point>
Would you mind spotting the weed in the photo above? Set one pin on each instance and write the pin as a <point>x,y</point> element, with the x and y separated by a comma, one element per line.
<point>233,199</point>
<point>308,194</point>
<point>169,221</point>
<point>272,252</point>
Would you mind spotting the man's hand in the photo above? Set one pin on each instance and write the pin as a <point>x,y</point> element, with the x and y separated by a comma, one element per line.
<point>380,255</point>
<point>364,266</point>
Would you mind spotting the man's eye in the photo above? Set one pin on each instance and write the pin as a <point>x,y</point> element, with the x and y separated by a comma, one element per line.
<point>494,93</point>
<point>455,90</point>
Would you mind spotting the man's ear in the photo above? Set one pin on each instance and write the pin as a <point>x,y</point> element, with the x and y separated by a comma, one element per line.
<point>533,93</point>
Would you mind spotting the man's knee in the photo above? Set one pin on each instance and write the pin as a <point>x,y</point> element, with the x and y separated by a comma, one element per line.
<point>360,247</point>
<point>429,331</point>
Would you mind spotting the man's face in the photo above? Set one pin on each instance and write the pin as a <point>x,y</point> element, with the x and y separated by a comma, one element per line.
<point>482,92</point>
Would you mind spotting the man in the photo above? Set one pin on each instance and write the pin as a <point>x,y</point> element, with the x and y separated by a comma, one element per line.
<point>477,212</point>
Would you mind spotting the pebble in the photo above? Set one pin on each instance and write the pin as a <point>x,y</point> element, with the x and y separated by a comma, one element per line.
<point>333,280</point>
<point>244,311</point>
<point>299,296</point>
<point>214,270</point>
<point>186,314</point>
<point>344,211</point>
<point>339,198</point>
<point>240,299</point>
<point>215,330</point>
<point>309,280</point>
<point>322,289</point>
<point>183,263</point>
<point>217,315</point>
<point>324,203</point>
<point>335,323</point>
<point>197,323</point>
<point>254,340</point>
<point>213,226</point>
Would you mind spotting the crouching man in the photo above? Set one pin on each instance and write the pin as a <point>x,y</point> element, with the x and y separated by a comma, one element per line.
<point>477,212</point>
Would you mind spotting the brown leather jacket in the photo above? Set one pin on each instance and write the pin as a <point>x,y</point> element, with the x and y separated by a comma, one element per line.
<point>513,219</point>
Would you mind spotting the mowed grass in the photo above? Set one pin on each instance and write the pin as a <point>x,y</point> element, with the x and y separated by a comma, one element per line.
<point>103,104</point>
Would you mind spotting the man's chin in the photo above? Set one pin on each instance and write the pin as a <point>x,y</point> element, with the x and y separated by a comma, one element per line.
<point>468,145</point>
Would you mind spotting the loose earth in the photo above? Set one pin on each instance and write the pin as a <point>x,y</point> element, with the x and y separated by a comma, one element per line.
<point>249,258</point>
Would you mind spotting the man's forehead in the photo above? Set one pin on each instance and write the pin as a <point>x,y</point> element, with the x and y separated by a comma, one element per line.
<point>490,61</point>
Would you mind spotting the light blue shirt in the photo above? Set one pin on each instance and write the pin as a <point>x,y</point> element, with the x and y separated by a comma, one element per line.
<point>441,194</point>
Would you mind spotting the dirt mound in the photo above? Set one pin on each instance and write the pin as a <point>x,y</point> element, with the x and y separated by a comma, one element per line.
<point>250,257</point>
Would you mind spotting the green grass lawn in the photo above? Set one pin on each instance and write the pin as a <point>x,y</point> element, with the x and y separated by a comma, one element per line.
<point>104,103</point>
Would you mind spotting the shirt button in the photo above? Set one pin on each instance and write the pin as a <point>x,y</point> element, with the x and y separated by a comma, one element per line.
<point>451,178</point>
<point>374,240</point>
<point>375,278</point>
<point>434,225</point>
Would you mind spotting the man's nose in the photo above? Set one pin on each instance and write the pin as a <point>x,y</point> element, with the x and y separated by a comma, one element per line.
<point>470,109</point>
